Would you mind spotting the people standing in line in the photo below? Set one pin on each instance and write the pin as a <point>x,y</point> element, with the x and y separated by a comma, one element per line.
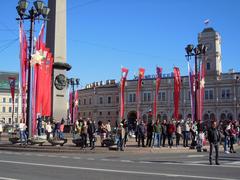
<point>141,133</point>
<point>170,131</point>
<point>108,127</point>
<point>157,129</point>
<point>91,133</point>
<point>22,129</point>
<point>84,134</point>
<point>120,134</point>
<point>164,132</point>
<point>186,130</point>
<point>48,129</point>
<point>178,133</point>
<point>233,134</point>
<point>227,136</point>
<point>149,134</point>
<point>214,138</point>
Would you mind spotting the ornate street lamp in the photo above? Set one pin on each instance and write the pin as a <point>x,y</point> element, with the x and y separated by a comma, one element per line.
<point>39,9</point>
<point>197,51</point>
<point>73,82</point>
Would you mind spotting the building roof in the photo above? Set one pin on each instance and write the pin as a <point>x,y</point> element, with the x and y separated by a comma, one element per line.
<point>209,29</point>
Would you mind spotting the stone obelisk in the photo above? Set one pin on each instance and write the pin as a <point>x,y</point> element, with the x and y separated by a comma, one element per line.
<point>56,41</point>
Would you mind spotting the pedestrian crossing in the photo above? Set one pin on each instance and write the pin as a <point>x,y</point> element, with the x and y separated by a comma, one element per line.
<point>190,159</point>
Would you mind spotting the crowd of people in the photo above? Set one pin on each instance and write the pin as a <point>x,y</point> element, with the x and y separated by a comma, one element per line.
<point>147,134</point>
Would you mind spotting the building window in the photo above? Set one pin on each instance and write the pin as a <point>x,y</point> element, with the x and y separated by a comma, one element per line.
<point>162,96</point>
<point>3,109</point>
<point>90,100</point>
<point>84,101</point>
<point>109,100</point>
<point>208,66</point>
<point>117,113</point>
<point>100,113</point>
<point>10,100</point>
<point>84,113</point>
<point>4,100</point>
<point>225,93</point>
<point>79,102</point>
<point>117,99</point>
<point>9,120</point>
<point>147,96</point>
<point>10,109</point>
<point>101,100</point>
<point>109,113</point>
<point>16,100</point>
<point>208,94</point>
<point>132,97</point>
<point>16,109</point>
<point>89,114</point>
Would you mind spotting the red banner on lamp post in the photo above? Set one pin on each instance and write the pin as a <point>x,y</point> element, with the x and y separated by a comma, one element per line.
<point>177,86</point>
<point>139,86</point>
<point>158,81</point>
<point>123,80</point>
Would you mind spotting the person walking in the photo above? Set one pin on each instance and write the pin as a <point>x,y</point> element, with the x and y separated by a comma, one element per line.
<point>164,132</point>
<point>186,129</point>
<point>178,133</point>
<point>170,131</point>
<point>120,134</point>
<point>141,133</point>
<point>84,134</point>
<point>22,129</point>
<point>157,129</point>
<point>48,129</point>
<point>91,133</point>
<point>149,134</point>
<point>213,138</point>
<point>232,134</point>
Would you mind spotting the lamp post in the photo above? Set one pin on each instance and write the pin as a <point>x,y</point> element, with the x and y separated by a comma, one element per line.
<point>197,51</point>
<point>73,82</point>
<point>35,12</point>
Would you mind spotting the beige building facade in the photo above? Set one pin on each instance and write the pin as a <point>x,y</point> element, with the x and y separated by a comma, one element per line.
<point>6,108</point>
<point>221,99</point>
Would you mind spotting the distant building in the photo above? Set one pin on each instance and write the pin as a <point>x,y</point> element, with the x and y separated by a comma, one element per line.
<point>221,99</point>
<point>6,109</point>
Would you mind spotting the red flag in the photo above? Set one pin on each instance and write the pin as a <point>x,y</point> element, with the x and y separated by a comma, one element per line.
<point>200,92</point>
<point>47,85</point>
<point>70,105</point>
<point>177,86</point>
<point>139,86</point>
<point>12,82</point>
<point>158,81</point>
<point>23,65</point>
<point>75,115</point>
<point>123,80</point>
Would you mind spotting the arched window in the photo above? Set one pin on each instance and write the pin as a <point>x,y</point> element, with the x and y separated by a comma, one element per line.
<point>223,117</point>
<point>229,116</point>
<point>212,117</point>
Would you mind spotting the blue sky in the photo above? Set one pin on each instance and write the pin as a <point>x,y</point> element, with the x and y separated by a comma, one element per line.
<point>103,35</point>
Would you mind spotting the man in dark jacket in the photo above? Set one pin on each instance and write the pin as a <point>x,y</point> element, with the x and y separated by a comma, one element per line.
<point>141,130</point>
<point>91,133</point>
<point>213,138</point>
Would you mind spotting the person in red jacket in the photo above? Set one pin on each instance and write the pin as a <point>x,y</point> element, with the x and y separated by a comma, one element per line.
<point>170,130</point>
<point>232,134</point>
